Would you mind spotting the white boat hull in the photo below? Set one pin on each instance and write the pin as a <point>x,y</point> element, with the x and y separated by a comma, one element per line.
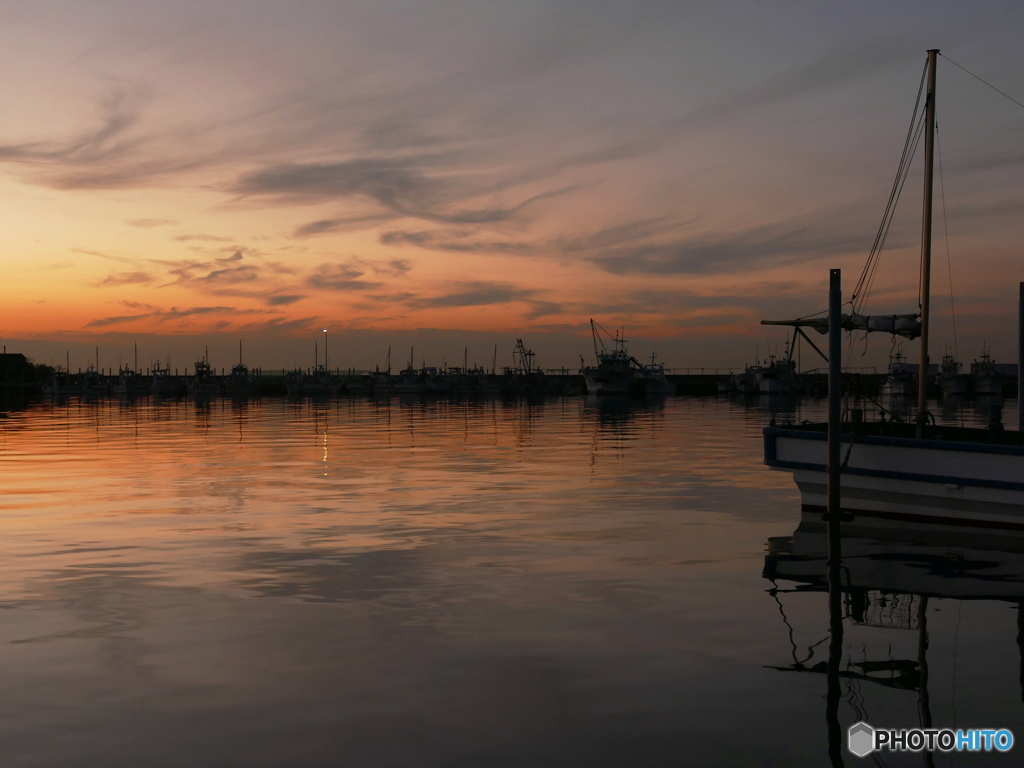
<point>945,481</point>
<point>897,386</point>
<point>988,384</point>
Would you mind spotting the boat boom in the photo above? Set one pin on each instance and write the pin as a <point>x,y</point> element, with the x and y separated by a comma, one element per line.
<point>908,326</point>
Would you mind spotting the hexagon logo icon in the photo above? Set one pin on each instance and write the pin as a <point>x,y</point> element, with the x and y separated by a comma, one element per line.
<point>861,739</point>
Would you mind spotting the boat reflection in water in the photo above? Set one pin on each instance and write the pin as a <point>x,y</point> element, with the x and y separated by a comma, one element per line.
<point>927,633</point>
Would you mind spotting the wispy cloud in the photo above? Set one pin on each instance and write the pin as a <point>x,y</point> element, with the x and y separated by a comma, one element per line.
<point>150,223</point>
<point>348,275</point>
<point>120,109</point>
<point>475,294</point>
<point>284,299</point>
<point>341,224</point>
<point>754,247</point>
<point>202,238</point>
<point>543,309</point>
<point>341,277</point>
<point>127,278</point>
<point>162,316</point>
<point>456,241</point>
<point>433,188</point>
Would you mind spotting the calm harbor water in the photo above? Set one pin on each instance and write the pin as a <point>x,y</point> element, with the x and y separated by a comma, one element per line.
<point>443,583</point>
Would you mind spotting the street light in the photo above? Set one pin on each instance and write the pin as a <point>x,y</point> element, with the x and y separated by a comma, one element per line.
<point>326,363</point>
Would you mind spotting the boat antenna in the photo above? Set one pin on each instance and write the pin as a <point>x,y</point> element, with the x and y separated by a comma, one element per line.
<point>926,243</point>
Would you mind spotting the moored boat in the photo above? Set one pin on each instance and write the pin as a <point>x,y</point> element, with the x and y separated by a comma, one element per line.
<point>952,475</point>
<point>164,383</point>
<point>653,382</point>
<point>952,382</point>
<point>777,376</point>
<point>902,380</point>
<point>987,380</point>
<point>615,373</point>
<point>60,383</point>
<point>319,382</point>
<point>205,381</point>
<point>240,382</point>
<point>129,383</point>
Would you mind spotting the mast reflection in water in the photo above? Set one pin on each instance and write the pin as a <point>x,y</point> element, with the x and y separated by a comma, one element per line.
<point>931,631</point>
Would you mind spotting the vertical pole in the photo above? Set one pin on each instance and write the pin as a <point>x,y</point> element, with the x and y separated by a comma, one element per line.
<point>924,700</point>
<point>835,593</point>
<point>926,245</point>
<point>835,390</point>
<point>1020,359</point>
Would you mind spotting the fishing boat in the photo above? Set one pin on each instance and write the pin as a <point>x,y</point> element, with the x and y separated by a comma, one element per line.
<point>616,372</point>
<point>411,381</point>
<point>921,470</point>
<point>204,382</point>
<point>902,379</point>
<point>619,373</point>
<point>653,381</point>
<point>60,383</point>
<point>952,381</point>
<point>525,378</point>
<point>93,383</point>
<point>129,382</point>
<point>240,382</point>
<point>985,377</point>
<point>777,376</point>
<point>164,383</point>
<point>745,383</point>
<point>317,382</point>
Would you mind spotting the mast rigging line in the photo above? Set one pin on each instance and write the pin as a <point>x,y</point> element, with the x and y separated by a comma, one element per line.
<point>863,286</point>
<point>945,230</point>
<point>980,80</point>
<point>874,259</point>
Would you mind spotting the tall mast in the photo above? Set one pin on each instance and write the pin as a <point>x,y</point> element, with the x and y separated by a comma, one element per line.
<point>926,242</point>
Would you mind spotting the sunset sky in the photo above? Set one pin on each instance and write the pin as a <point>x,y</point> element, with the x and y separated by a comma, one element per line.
<point>182,175</point>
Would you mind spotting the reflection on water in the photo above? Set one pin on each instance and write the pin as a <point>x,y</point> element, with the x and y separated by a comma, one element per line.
<point>390,583</point>
<point>931,631</point>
